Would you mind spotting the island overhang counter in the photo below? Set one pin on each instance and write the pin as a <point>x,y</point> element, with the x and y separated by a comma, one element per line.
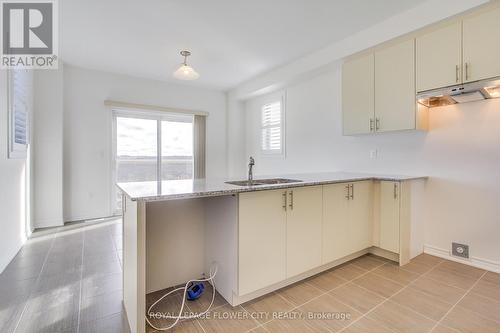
<point>264,237</point>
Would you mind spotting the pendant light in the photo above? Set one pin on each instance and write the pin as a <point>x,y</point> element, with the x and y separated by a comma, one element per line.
<point>186,72</point>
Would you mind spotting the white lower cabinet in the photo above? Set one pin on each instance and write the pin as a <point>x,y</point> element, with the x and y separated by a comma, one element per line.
<point>303,229</point>
<point>389,216</point>
<point>279,235</point>
<point>335,221</point>
<point>284,233</point>
<point>347,219</point>
<point>361,216</point>
<point>262,240</point>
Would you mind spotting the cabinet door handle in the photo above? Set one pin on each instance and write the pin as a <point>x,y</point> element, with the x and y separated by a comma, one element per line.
<point>466,71</point>
<point>371,125</point>
<point>377,124</point>
<point>395,190</point>
<point>291,200</point>
<point>457,76</point>
<point>348,188</point>
<point>352,191</point>
<point>284,200</point>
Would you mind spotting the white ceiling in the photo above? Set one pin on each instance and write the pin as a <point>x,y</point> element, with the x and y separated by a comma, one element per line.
<point>231,40</point>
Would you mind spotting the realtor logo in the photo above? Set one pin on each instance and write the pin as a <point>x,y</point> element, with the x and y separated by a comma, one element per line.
<point>29,34</point>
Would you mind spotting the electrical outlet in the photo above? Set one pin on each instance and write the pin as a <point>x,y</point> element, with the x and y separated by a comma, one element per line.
<point>460,250</point>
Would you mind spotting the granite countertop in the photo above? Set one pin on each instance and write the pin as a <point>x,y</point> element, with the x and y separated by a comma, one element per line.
<point>182,189</point>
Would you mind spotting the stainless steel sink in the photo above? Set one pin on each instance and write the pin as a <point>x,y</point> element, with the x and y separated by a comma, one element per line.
<point>245,183</point>
<point>277,181</point>
<point>258,182</point>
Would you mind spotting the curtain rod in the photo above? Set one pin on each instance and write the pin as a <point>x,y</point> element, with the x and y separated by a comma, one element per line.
<point>127,105</point>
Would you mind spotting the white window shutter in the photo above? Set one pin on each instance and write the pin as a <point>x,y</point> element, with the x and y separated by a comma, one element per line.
<point>19,94</point>
<point>20,105</point>
<point>271,140</point>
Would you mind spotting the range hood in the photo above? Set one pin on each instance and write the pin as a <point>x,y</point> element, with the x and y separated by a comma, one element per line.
<point>467,92</point>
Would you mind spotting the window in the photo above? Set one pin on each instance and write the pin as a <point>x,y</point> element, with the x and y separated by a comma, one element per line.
<point>272,128</point>
<point>19,87</point>
<point>177,160</point>
<point>152,146</point>
<point>136,150</point>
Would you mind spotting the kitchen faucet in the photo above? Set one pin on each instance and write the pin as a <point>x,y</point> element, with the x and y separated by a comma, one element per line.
<point>250,171</point>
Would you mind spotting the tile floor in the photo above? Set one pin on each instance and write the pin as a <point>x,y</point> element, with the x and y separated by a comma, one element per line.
<point>65,282</point>
<point>71,282</point>
<point>369,294</point>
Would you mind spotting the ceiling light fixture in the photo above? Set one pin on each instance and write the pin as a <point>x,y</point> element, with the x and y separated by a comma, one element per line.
<point>186,72</point>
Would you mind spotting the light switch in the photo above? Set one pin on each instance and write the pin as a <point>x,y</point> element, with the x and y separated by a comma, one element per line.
<point>373,153</point>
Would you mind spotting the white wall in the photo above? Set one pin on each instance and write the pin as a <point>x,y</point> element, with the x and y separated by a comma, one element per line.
<point>87,131</point>
<point>423,14</point>
<point>460,154</point>
<point>47,142</point>
<point>236,133</point>
<point>309,66</point>
<point>12,189</point>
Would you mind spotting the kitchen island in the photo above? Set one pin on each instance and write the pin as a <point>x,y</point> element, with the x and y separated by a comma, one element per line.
<point>262,237</point>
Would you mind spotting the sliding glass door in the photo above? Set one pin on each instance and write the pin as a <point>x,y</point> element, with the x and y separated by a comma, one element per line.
<point>150,147</point>
<point>136,149</point>
<point>176,150</point>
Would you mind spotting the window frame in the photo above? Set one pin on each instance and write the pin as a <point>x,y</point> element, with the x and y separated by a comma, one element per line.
<point>279,97</point>
<point>17,150</point>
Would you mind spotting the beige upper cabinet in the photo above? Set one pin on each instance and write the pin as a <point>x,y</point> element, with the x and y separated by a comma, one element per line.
<point>395,105</point>
<point>378,91</point>
<point>439,62</point>
<point>262,239</point>
<point>358,95</point>
<point>303,229</point>
<point>481,48</point>
<point>464,51</point>
<point>389,215</point>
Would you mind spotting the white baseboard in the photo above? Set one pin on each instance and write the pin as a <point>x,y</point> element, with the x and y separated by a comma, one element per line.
<point>384,253</point>
<point>472,261</point>
<point>71,226</point>
<point>237,300</point>
<point>71,219</point>
<point>48,223</point>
